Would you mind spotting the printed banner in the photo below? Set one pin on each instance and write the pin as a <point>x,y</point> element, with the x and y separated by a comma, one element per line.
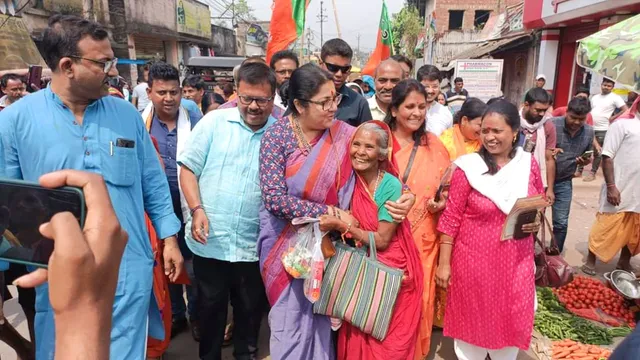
<point>193,18</point>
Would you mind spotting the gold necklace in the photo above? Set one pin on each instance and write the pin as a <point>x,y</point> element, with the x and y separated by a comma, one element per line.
<point>297,131</point>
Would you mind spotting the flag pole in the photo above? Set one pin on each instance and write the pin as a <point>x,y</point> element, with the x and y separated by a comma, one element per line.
<point>302,45</point>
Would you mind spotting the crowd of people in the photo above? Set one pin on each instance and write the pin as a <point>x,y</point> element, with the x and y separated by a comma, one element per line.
<point>208,191</point>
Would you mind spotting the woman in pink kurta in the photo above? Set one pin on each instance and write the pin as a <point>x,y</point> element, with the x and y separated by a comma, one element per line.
<point>491,288</point>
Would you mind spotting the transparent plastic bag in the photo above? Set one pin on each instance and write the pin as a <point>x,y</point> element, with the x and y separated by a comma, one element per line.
<point>298,258</point>
<point>314,281</point>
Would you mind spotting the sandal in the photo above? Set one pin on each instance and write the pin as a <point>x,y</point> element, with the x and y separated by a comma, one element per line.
<point>588,270</point>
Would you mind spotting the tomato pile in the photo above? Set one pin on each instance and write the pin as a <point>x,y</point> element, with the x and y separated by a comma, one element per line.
<point>587,293</point>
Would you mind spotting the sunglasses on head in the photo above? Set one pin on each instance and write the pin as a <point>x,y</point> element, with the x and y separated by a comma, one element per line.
<point>335,68</point>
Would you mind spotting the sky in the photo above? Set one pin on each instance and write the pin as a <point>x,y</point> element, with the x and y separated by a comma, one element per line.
<point>354,17</point>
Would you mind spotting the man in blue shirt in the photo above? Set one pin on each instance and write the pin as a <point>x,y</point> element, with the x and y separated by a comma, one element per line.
<point>73,124</point>
<point>336,57</point>
<point>170,123</point>
<point>219,179</point>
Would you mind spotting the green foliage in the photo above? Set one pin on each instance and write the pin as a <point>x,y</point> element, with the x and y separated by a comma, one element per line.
<point>406,27</point>
<point>243,10</point>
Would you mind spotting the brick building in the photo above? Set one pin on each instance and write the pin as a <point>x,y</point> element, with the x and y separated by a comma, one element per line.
<point>482,29</point>
<point>463,15</point>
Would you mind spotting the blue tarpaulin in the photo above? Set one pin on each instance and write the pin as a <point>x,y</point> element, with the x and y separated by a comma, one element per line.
<point>131,62</point>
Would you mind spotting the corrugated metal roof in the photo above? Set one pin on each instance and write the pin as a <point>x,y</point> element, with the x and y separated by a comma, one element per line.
<point>489,47</point>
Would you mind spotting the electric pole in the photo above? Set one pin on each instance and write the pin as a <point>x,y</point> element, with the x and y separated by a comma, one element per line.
<point>309,36</point>
<point>322,18</point>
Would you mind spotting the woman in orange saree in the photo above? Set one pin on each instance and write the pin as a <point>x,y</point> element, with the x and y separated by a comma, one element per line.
<point>422,161</point>
<point>464,137</point>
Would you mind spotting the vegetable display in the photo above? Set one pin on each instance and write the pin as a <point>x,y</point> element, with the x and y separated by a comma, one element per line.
<point>591,298</point>
<point>554,321</point>
<point>569,349</point>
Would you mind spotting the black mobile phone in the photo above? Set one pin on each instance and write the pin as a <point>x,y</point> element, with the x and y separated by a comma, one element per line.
<point>24,206</point>
<point>125,143</point>
<point>34,78</point>
<point>524,218</point>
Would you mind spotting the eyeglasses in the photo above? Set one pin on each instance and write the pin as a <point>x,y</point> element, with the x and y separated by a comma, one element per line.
<point>326,104</point>
<point>107,64</point>
<point>285,72</point>
<point>335,68</point>
<point>261,101</point>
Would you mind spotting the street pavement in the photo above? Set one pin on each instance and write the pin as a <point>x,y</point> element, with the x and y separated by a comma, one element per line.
<point>583,209</point>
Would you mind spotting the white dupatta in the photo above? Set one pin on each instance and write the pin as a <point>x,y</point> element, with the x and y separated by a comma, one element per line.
<point>506,186</point>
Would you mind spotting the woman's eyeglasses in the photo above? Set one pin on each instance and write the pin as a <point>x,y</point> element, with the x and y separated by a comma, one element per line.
<point>326,104</point>
<point>247,100</point>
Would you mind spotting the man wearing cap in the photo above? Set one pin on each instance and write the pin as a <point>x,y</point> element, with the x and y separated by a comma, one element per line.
<point>541,79</point>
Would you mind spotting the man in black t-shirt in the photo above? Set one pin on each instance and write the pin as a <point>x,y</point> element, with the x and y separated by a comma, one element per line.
<point>336,57</point>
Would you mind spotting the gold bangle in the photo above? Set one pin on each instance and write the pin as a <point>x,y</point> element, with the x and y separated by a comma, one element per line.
<point>446,242</point>
<point>346,231</point>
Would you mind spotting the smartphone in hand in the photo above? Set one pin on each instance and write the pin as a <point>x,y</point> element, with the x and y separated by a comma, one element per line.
<point>24,206</point>
<point>34,80</point>
<point>587,154</point>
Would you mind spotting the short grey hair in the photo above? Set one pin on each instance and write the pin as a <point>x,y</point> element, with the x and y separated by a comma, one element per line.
<point>383,136</point>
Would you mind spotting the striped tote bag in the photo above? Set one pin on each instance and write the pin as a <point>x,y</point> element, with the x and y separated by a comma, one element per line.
<point>359,289</point>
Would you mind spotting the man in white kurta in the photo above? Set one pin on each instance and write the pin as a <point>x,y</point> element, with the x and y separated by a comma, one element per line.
<point>617,226</point>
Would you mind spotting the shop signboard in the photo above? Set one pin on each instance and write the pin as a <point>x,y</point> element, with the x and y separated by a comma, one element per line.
<point>256,35</point>
<point>193,18</point>
<point>482,77</point>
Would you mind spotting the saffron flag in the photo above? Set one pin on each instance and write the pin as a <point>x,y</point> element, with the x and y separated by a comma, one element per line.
<point>384,47</point>
<point>287,23</point>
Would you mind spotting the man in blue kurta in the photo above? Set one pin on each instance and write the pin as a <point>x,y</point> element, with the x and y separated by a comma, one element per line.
<point>72,124</point>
